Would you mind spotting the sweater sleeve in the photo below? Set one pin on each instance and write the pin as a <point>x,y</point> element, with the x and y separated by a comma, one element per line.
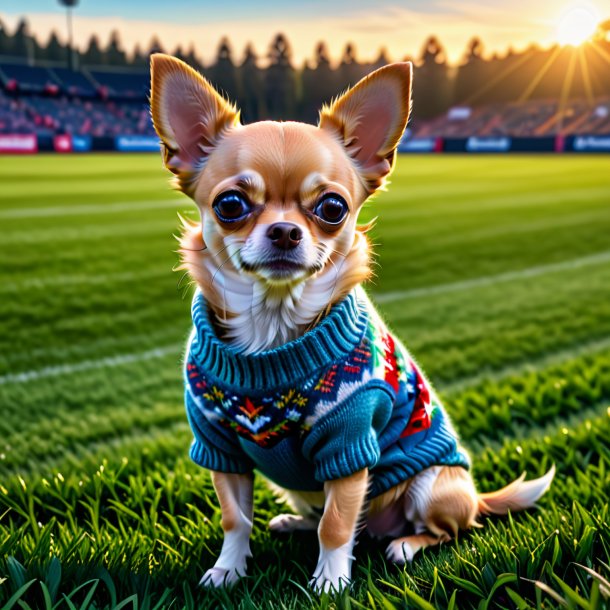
<point>344,440</point>
<point>214,447</point>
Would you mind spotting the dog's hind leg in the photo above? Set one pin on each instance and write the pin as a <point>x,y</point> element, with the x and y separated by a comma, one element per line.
<point>404,549</point>
<point>308,508</point>
<point>439,502</point>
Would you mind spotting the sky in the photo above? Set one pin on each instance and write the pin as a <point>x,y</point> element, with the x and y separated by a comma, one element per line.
<point>400,27</point>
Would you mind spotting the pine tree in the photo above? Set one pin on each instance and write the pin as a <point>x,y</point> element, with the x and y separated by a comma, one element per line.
<point>280,82</point>
<point>318,84</point>
<point>431,90</point>
<point>139,59</point>
<point>350,71</point>
<point>472,73</point>
<point>5,40</point>
<point>115,56</point>
<point>93,56</point>
<point>223,73</point>
<point>22,44</point>
<point>155,46</point>
<point>250,99</point>
<point>192,60</point>
<point>55,51</point>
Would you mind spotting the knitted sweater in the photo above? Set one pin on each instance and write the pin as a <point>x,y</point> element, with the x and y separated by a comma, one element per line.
<point>345,396</point>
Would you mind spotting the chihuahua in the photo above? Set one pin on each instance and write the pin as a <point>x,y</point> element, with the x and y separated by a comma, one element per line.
<point>289,369</point>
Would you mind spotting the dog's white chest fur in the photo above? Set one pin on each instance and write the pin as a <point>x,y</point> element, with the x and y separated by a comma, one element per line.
<point>266,316</point>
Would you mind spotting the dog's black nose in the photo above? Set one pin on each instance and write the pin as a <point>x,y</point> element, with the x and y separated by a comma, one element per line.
<point>285,235</point>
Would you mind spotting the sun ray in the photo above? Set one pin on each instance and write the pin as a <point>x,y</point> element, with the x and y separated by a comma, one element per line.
<point>565,91</point>
<point>499,77</point>
<point>601,52</point>
<point>539,76</point>
<point>584,68</point>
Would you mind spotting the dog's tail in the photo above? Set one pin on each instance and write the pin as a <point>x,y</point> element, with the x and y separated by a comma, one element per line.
<point>518,495</point>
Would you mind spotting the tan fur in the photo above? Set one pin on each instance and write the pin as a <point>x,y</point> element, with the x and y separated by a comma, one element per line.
<point>293,163</point>
<point>344,501</point>
<point>453,505</point>
<point>417,542</point>
<point>394,494</point>
<point>518,495</point>
<point>216,115</point>
<point>283,170</point>
<point>374,156</point>
<point>232,491</point>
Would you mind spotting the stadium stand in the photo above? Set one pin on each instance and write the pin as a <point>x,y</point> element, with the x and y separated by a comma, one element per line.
<point>14,117</point>
<point>112,102</point>
<point>32,79</point>
<point>128,84</point>
<point>74,83</point>
<point>528,119</point>
<point>51,101</point>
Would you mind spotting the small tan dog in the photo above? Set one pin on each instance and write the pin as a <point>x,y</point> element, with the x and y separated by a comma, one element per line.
<point>289,369</point>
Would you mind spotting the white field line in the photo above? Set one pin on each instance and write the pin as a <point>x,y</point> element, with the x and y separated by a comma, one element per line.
<point>66,369</point>
<point>85,233</point>
<point>449,235</point>
<point>531,366</point>
<point>110,344</point>
<point>92,279</point>
<point>88,365</point>
<point>489,204</point>
<point>490,280</point>
<point>84,209</point>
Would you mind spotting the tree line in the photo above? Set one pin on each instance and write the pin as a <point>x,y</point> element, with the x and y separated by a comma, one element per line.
<point>281,90</point>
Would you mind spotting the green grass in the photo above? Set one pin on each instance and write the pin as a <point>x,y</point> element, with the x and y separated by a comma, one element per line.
<point>494,270</point>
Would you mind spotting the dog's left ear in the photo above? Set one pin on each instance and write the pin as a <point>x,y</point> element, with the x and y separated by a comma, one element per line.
<point>189,116</point>
<point>370,119</point>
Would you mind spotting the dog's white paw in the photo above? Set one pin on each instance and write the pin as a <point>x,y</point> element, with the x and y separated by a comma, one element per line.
<point>399,551</point>
<point>291,523</point>
<point>334,569</point>
<point>219,577</point>
<point>231,564</point>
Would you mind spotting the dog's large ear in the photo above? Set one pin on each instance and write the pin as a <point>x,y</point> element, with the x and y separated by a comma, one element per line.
<point>370,119</point>
<point>189,116</point>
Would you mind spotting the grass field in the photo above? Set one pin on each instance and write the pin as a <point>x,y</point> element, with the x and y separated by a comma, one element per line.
<point>494,270</point>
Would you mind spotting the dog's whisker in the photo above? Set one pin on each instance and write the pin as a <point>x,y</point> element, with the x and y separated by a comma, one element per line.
<point>184,275</point>
<point>205,246</point>
<point>336,277</point>
<point>224,288</point>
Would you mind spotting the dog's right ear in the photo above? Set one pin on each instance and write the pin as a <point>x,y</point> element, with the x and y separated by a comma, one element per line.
<point>189,116</point>
<point>370,118</point>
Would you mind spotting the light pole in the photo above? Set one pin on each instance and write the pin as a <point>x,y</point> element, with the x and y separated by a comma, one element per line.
<point>69,4</point>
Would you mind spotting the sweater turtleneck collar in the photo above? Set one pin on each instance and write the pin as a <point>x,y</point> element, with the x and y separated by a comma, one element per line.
<point>335,336</point>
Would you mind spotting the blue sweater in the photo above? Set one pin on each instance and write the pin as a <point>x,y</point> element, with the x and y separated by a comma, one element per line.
<point>345,396</point>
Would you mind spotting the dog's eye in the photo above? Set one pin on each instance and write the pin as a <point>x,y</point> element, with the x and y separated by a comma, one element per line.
<point>331,209</point>
<point>231,206</point>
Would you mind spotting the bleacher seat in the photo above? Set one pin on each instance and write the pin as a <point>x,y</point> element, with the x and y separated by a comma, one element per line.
<point>33,79</point>
<point>73,82</point>
<point>532,118</point>
<point>132,84</point>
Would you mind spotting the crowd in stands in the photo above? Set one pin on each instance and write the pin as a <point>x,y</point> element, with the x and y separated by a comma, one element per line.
<point>58,114</point>
<point>50,101</point>
<point>49,98</point>
<point>48,116</point>
<point>525,119</point>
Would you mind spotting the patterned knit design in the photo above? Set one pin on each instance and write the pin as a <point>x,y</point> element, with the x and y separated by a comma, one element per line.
<point>343,397</point>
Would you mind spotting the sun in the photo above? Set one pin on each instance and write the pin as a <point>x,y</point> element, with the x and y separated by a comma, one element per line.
<point>577,25</point>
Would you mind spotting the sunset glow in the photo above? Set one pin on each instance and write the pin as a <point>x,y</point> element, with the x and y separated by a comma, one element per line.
<point>577,25</point>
